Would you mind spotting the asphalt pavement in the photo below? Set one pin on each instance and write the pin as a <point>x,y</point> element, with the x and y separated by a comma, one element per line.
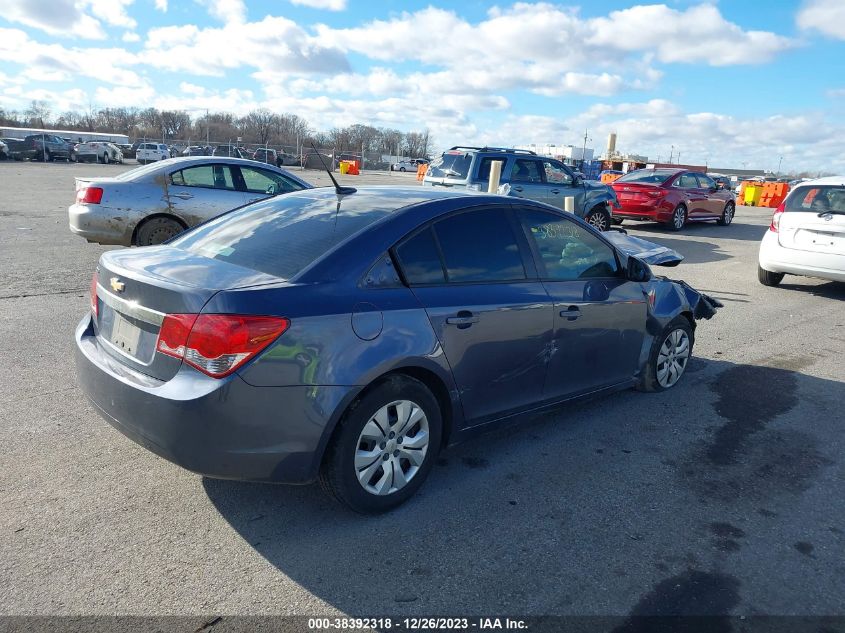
<point>725,493</point>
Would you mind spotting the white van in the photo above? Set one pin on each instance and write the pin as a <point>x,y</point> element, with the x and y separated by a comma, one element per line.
<point>150,152</point>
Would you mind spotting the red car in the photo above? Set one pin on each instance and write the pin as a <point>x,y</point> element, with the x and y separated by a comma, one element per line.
<point>673,197</point>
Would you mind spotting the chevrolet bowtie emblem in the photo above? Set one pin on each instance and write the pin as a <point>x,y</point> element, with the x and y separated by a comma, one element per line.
<point>116,284</point>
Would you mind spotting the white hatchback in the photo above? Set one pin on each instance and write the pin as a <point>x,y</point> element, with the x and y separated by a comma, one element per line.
<point>807,234</point>
<point>149,152</point>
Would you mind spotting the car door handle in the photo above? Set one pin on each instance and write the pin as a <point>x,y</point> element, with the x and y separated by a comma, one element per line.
<point>183,196</point>
<point>464,319</point>
<point>255,200</point>
<point>571,313</point>
<point>517,188</point>
<point>555,191</point>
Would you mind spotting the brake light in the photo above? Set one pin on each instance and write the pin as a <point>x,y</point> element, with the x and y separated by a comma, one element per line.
<point>656,193</point>
<point>775,225</point>
<point>217,344</point>
<point>95,310</point>
<point>89,195</point>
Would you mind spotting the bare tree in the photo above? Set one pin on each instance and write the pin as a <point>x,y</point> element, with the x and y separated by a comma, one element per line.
<point>259,125</point>
<point>37,114</point>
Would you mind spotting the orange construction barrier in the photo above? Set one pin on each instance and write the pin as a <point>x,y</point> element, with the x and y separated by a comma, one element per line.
<point>609,178</point>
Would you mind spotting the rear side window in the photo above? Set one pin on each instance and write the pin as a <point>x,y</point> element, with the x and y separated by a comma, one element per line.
<point>687,181</point>
<point>817,199</point>
<point>452,165</point>
<point>525,170</point>
<point>209,176</point>
<point>479,246</point>
<point>420,259</point>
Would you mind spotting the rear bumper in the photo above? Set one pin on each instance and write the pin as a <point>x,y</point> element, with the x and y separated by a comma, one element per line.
<point>777,259</point>
<point>219,428</point>
<point>97,223</point>
<point>654,211</point>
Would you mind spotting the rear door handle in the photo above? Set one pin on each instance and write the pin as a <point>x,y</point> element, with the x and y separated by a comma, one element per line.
<point>517,188</point>
<point>555,191</point>
<point>571,313</point>
<point>183,196</point>
<point>464,319</point>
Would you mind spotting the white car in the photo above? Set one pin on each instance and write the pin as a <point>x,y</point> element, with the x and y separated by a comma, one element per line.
<point>151,152</point>
<point>409,164</point>
<point>98,152</point>
<point>807,234</point>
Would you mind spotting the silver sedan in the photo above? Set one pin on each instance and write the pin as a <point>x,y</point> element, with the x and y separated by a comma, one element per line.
<point>151,204</point>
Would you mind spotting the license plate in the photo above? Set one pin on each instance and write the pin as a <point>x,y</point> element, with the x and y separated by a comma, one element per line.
<point>125,335</point>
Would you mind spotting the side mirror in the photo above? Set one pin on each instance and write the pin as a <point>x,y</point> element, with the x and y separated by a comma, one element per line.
<point>637,270</point>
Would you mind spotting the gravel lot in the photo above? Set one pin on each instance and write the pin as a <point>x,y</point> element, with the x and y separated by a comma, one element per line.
<point>727,490</point>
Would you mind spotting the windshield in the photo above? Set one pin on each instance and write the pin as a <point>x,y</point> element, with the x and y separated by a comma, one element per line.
<point>654,176</point>
<point>284,235</point>
<point>451,165</point>
<point>830,199</point>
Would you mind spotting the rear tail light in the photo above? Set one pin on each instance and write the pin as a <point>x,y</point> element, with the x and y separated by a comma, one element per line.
<point>89,195</point>
<point>775,225</point>
<point>217,344</point>
<point>95,310</point>
<point>656,193</point>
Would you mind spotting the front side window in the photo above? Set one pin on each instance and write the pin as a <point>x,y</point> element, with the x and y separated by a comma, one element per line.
<point>705,182</point>
<point>556,173</point>
<point>264,181</point>
<point>479,246</point>
<point>525,170</point>
<point>568,251</point>
<point>209,176</point>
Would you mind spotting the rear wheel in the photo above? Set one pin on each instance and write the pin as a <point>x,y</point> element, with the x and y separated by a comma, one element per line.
<point>768,278</point>
<point>384,447</point>
<point>599,218</point>
<point>678,219</point>
<point>669,356</point>
<point>727,215</point>
<point>157,230</point>
<point>401,169</point>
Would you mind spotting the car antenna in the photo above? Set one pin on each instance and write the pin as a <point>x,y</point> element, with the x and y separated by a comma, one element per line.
<point>341,191</point>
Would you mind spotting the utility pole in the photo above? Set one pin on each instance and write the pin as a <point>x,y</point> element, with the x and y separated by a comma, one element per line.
<point>584,149</point>
<point>206,128</point>
<point>779,162</point>
<point>671,153</point>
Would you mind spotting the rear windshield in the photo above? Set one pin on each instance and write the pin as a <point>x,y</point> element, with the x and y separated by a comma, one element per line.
<point>284,235</point>
<point>818,199</point>
<point>452,165</point>
<point>655,176</point>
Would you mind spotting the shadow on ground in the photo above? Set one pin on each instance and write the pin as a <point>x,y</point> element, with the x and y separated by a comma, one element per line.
<point>594,510</point>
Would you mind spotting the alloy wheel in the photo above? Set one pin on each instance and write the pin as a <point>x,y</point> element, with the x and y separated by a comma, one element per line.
<point>728,216</point>
<point>673,357</point>
<point>678,218</point>
<point>391,447</point>
<point>598,221</point>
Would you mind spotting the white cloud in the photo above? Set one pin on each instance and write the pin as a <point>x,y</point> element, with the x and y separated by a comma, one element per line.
<point>110,11</point>
<point>56,17</point>
<point>131,36</point>
<point>161,5</point>
<point>272,43</point>
<point>329,5</point>
<point>826,16</point>
<point>227,11</point>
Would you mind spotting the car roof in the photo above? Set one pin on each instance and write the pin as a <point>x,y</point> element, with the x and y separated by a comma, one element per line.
<point>387,196</point>
<point>827,180</point>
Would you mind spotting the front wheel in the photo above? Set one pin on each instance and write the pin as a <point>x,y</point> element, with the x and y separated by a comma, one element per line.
<point>598,218</point>
<point>384,447</point>
<point>669,356</point>
<point>768,278</point>
<point>401,169</point>
<point>106,160</point>
<point>727,215</point>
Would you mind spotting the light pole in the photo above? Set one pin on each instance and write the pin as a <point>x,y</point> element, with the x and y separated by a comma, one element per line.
<point>671,153</point>
<point>584,149</point>
<point>778,171</point>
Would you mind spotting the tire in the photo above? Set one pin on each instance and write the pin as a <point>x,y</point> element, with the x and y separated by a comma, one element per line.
<point>360,433</point>
<point>157,230</point>
<point>598,218</point>
<point>106,159</point>
<point>678,219</point>
<point>401,169</point>
<point>727,215</point>
<point>768,278</point>
<point>657,371</point>
<point>617,221</point>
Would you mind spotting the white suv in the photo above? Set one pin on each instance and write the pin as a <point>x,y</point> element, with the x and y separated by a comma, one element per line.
<point>807,234</point>
<point>150,152</point>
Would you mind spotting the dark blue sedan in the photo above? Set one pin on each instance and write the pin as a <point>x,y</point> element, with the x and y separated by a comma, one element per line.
<point>349,337</point>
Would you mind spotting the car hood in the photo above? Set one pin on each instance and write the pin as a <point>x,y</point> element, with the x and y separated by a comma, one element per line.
<point>648,252</point>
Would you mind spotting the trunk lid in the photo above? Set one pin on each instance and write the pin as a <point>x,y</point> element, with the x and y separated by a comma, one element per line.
<point>636,192</point>
<point>136,288</point>
<point>809,231</point>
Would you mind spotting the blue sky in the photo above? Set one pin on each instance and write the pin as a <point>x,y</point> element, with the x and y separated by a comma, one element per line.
<point>728,83</point>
